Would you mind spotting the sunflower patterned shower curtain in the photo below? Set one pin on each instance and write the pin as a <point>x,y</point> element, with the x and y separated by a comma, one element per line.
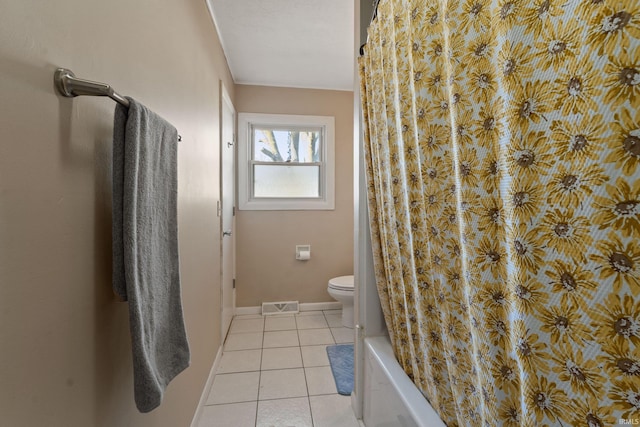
<point>502,141</point>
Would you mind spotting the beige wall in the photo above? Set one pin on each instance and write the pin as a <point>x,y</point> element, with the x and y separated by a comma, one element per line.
<point>266,268</point>
<point>64,341</point>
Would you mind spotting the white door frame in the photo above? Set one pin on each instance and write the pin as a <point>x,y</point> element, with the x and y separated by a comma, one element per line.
<point>227,209</point>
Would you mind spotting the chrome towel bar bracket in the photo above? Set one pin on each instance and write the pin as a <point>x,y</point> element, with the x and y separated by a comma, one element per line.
<point>70,86</point>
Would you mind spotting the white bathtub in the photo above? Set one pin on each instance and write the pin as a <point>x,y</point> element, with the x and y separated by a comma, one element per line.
<point>390,398</point>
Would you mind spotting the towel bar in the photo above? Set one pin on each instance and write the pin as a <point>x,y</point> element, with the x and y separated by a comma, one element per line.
<point>70,86</point>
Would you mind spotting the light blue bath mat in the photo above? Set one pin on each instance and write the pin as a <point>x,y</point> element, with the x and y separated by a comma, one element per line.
<point>341,361</point>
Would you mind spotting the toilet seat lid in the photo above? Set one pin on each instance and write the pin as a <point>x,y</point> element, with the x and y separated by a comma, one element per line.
<point>344,283</point>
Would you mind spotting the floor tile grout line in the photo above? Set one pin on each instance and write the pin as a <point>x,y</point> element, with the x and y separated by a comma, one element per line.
<point>255,422</point>
<point>303,367</point>
<point>279,369</point>
<point>260,375</point>
<point>281,398</point>
<point>229,403</point>
<point>311,411</point>
<point>307,386</point>
<point>242,333</point>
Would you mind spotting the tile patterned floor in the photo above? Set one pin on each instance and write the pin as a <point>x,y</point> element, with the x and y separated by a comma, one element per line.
<point>274,372</point>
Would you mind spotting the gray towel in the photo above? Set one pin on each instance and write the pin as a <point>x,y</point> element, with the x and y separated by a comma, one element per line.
<point>145,248</point>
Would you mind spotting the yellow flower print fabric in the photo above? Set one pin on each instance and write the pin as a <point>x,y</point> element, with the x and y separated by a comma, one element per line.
<point>502,143</point>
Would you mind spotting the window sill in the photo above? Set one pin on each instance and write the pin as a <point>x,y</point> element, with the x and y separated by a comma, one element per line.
<point>287,205</point>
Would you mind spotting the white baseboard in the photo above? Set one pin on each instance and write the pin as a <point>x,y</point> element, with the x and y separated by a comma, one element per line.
<point>315,306</point>
<point>207,386</point>
<point>305,306</point>
<point>240,311</point>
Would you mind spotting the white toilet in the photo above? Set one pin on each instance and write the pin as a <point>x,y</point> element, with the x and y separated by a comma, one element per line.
<point>341,289</point>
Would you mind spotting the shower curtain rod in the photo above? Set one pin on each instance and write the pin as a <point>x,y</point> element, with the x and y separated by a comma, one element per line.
<point>375,11</point>
<point>373,16</point>
<point>70,86</point>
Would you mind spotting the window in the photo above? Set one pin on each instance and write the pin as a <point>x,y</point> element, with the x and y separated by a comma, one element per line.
<point>285,162</point>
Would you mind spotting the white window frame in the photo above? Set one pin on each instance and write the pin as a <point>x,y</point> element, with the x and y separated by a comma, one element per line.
<point>246,201</point>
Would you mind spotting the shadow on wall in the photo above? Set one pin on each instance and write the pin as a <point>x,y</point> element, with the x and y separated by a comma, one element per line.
<point>113,368</point>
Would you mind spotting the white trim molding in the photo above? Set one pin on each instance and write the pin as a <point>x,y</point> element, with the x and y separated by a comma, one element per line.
<point>305,306</point>
<point>207,386</point>
<point>326,199</point>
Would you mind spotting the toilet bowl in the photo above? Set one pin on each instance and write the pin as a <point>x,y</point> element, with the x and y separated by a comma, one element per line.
<point>341,289</point>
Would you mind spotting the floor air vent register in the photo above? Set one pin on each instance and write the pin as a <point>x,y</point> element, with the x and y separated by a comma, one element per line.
<point>269,308</point>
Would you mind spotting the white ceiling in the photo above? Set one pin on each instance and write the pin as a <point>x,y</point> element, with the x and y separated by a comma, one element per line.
<point>291,43</point>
